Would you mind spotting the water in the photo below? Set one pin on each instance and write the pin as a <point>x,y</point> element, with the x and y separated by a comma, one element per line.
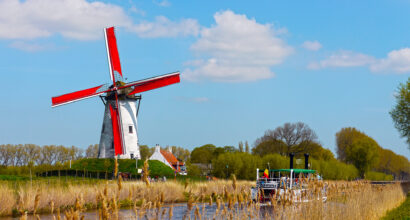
<point>179,211</point>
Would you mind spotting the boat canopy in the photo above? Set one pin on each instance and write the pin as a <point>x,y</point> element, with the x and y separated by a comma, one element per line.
<point>294,170</point>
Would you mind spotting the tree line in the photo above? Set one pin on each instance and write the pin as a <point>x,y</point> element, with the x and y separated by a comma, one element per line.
<point>25,154</point>
<point>358,155</point>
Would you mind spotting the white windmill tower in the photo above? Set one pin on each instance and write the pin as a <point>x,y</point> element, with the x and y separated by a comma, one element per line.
<point>119,131</point>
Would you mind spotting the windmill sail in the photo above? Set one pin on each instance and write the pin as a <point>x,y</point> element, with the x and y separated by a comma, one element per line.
<point>113,56</point>
<point>152,83</point>
<point>116,132</point>
<point>79,95</point>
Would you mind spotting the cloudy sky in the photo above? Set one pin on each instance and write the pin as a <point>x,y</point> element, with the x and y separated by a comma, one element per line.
<point>246,67</point>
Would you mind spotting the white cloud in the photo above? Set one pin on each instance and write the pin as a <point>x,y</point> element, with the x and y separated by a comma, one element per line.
<point>397,61</point>
<point>236,49</point>
<point>80,19</point>
<point>312,45</point>
<point>163,27</point>
<point>76,19</point>
<point>137,11</point>
<point>30,47</point>
<point>343,58</point>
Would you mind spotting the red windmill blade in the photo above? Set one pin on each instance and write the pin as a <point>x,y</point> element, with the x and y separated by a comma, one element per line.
<point>119,92</point>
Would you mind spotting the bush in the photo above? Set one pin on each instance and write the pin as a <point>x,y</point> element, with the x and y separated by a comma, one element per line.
<point>378,176</point>
<point>156,168</point>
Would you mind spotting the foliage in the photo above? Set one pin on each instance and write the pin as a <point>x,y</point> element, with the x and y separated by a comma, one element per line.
<point>242,165</point>
<point>401,212</point>
<point>145,152</point>
<point>193,170</point>
<point>363,154</point>
<point>13,177</point>
<point>334,170</point>
<point>156,168</point>
<point>401,111</point>
<point>205,153</point>
<point>270,147</point>
<point>357,148</point>
<point>378,176</point>
<point>274,161</point>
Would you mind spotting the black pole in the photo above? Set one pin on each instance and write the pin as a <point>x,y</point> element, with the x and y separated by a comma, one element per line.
<point>306,161</point>
<point>291,155</point>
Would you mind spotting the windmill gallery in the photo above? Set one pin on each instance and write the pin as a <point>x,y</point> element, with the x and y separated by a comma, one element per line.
<point>119,136</point>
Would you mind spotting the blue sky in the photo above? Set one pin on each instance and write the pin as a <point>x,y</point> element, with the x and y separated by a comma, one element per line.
<point>246,67</point>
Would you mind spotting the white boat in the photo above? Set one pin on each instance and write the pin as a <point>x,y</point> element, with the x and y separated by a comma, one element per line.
<point>286,184</point>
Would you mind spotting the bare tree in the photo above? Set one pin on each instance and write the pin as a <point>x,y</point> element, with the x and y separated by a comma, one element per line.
<point>297,137</point>
<point>92,151</point>
<point>7,155</point>
<point>32,152</point>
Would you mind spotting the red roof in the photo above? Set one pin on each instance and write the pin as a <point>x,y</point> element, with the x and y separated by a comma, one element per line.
<point>171,158</point>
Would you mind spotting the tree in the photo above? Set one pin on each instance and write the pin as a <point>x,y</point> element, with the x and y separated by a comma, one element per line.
<point>363,154</point>
<point>181,153</point>
<point>297,137</point>
<point>246,147</point>
<point>355,147</point>
<point>270,147</point>
<point>344,139</point>
<point>92,151</point>
<point>320,153</point>
<point>240,146</point>
<point>230,149</point>
<point>146,152</point>
<point>203,154</point>
<point>401,111</point>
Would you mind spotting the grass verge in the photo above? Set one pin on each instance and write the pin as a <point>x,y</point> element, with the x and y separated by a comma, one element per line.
<point>401,212</point>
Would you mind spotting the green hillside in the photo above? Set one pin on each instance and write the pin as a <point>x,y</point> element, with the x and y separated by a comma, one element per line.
<point>156,168</point>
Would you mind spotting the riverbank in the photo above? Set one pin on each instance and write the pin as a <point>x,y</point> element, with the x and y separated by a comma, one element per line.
<point>225,199</point>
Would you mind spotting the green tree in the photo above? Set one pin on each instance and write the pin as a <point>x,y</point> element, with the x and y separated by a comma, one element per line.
<point>344,140</point>
<point>401,111</point>
<point>363,154</point>
<point>270,147</point>
<point>145,152</point>
<point>203,154</point>
<point>358,149</point>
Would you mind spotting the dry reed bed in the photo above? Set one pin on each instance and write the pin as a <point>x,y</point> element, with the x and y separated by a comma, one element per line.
<point>346,200</point>
<point>23,197</point>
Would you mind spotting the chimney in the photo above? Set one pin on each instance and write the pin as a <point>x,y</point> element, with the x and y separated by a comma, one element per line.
<point>157,148</point>
<point>306,161</point>
<point>170,149</point>
<point>291,155</point>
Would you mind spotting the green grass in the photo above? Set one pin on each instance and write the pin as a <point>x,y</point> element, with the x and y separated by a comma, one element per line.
<point>156,168</point>
<point>13,177</point>
<point>401,212</point>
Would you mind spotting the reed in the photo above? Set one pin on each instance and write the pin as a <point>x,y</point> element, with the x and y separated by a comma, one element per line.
<point>346,200</point>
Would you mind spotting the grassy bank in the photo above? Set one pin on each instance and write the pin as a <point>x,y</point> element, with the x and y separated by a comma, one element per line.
<point>401,212</point>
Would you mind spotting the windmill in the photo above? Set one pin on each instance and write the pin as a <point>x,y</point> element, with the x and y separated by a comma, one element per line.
<point>119,131</point>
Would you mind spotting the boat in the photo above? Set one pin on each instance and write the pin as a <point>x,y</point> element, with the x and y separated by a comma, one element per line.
<point>288,184</point>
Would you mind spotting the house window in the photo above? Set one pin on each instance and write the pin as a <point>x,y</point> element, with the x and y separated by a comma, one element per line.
<point>132,156</point>
<point>130,129</point>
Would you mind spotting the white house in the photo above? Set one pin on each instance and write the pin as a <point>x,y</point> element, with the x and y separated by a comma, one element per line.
<point>166,157</point>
